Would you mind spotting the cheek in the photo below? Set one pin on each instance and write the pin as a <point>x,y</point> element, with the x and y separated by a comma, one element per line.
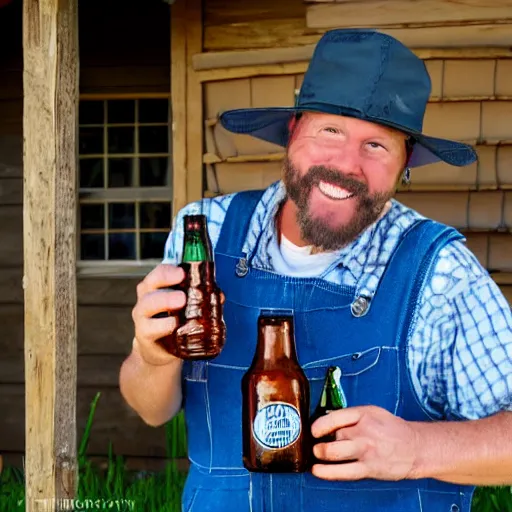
<point>380,178</point>
<point>299,161</point>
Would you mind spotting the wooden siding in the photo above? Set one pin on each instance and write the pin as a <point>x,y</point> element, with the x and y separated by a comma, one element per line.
<point>124,48</point>
<point>471,101</point>
<point>269,24</point>
<point>258,58</point>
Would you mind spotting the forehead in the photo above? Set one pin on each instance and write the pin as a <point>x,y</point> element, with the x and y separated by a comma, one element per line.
<point>352,124</point>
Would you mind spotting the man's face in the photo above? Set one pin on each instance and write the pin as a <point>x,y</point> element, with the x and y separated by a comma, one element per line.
<point>340,172</point>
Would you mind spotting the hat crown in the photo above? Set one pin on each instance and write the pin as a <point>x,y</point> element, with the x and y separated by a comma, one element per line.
<point>370,74</point>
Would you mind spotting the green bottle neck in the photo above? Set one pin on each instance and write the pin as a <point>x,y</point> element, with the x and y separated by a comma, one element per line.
<point>333,397</point>
<point>196,247</point>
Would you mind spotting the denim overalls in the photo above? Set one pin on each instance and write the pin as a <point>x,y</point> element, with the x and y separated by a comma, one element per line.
<point>365,338</point>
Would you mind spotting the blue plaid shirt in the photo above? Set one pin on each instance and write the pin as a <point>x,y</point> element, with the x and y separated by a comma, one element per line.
<point>460,351</point>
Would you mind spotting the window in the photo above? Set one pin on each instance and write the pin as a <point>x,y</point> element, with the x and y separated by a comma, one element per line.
<point>125,180</point>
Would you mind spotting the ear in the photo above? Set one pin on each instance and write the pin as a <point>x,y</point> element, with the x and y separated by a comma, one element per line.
<point>292,123</point>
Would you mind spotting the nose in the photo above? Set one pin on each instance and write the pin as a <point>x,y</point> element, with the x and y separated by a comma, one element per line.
<point>338,156</point>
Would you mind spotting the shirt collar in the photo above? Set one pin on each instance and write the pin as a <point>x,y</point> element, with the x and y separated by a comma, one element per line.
<point>262,229</point>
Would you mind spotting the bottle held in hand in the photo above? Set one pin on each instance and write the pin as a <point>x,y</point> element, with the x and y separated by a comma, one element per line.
<point>332,399</point>
<point>275,403</point>
<point>201,331</point>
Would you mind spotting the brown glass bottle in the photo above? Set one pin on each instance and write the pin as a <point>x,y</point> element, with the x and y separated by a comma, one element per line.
<point>275,403</point>
<point>201,331</point>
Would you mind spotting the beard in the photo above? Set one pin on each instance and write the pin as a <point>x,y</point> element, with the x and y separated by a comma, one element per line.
<point>317,231</point>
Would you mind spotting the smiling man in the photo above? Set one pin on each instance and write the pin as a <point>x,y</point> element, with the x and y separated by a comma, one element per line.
<point>421,333</point>
<point>344,175</point>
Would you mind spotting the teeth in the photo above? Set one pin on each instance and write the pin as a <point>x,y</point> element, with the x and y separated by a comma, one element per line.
<point>333,191</point>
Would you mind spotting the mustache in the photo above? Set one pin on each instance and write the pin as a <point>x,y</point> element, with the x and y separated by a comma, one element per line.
<point>318,173</point>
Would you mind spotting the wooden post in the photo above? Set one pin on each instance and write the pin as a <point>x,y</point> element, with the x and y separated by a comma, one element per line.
<point>187,102</point>
<point>179,105</point>
<point>195,118</point>
<point>50,81</point>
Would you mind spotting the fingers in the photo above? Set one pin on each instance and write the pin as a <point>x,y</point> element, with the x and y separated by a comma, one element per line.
<point>160,277</point>
<point>148,330</point>
<point>344,472</point>
<point>158,301</point>
<point>336,420</point>
<point>338,450</point>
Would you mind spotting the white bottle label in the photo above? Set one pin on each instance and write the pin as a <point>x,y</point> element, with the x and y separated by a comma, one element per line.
<point>277,425</point>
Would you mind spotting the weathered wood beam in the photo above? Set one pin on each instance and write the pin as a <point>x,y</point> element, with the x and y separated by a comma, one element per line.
<point>378,13</point>
<point>194,30</point>
<point>50,81</point>
<point>269,33</point>
<point>257,35</point>
<point>179,105</point>
<point>212,75</point>
<point>297,54</point>
<point>187,103</point>
<point>237,58</point>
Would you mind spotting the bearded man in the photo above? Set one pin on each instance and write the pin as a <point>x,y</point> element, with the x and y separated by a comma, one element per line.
<point>421,333</point>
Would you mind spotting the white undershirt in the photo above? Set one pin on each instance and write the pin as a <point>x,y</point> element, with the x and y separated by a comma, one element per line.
<point>291,260</point>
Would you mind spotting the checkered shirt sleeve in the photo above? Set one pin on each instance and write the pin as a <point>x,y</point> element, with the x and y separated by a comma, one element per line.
<point>461,347</point>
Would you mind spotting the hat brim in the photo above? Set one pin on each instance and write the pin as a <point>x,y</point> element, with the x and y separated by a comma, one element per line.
<point>271,125</point>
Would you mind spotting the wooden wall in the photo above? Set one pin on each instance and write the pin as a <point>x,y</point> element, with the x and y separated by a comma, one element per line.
<point>124,48</point>
<point>257,57</point>
<point>253,54</point>
<point>423,23</point>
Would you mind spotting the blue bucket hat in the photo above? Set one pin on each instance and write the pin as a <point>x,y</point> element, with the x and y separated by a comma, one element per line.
<point>364,74</point>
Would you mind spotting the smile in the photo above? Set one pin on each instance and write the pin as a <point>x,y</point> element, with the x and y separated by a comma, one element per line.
<point>334,192</point>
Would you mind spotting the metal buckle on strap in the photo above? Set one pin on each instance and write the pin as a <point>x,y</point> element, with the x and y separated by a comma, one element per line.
<point>242,269</point>
<point>360,306</point>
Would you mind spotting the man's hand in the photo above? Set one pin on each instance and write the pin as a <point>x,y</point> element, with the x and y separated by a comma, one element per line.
<point>370,443</point>
<point>152,298</point>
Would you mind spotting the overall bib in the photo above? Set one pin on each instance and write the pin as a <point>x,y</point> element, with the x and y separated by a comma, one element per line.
<point>365,338</point>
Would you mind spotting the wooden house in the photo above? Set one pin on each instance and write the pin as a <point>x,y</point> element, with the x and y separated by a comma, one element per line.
<point>153,78</point>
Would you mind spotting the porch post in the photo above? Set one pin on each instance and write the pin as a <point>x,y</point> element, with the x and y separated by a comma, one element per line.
<point>50,82</point>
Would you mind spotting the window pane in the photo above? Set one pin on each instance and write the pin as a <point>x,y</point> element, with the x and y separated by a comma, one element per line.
<point>121,246</point>
<point>92,216</point>
<point>121,140</point>
<point>92,247</point>
<point>121,111</point>
<point>152,245</point>
<point>91,141</point>
<point>154,111</point>
<point>155,215</point>
<point>91,112</point>
<point>91,173</point>
<point>121,215</point>
<point>120,172</point>
<point>153,172</point>
<point>153,139</point>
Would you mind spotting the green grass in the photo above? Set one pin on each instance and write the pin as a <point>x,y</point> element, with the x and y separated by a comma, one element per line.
<point>118,489</point>
<point>114,488</point>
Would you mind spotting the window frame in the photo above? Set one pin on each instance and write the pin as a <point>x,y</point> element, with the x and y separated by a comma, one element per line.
<point>124,268</point>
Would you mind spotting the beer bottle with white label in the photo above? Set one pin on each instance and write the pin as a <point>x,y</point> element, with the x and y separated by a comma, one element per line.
<point>275,403</point>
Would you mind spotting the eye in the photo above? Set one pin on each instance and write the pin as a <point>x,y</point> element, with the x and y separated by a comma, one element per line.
<point>375,145</point>
<point>331,129</point>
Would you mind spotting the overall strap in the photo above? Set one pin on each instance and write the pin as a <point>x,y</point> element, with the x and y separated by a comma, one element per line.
<point>411,265</point>
<point>402,287</point>
<point>236,223</point>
